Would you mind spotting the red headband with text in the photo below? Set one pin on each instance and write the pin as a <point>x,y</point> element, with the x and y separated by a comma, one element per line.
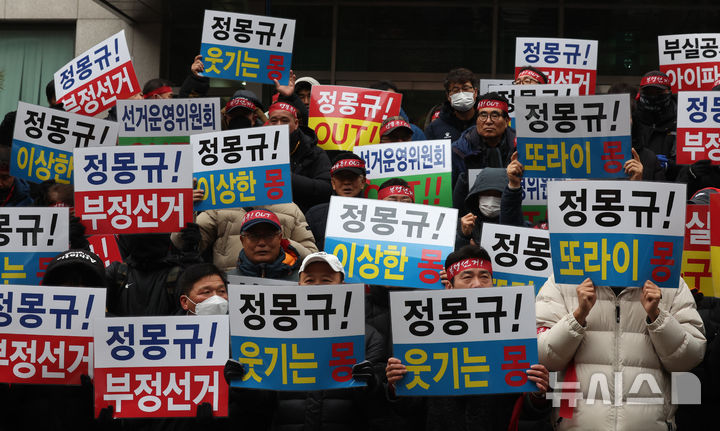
<point>393,124</point>
<point>395,190</point>
<point>532,74</point>
<point>239,102</point>
<point>282,106</point>
<point>347,163</point>
<point>161,90</point>
<point>492,103</point>
<point>458,267</point>
<point>655,80</point>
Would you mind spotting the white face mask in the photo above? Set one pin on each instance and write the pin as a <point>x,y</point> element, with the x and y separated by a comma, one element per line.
<point>213,305</point>
<point>489,206</point>
<point>462,101</point>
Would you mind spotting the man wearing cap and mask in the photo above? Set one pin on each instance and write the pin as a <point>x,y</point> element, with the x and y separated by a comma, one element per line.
<point>529,75</point>
<point>240,113</point>
<point>265,252</point>
<point>347,177</point>
<point>309,164</point>
<point>458,112</point>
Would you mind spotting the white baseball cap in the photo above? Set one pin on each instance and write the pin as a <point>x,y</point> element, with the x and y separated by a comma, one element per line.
<point>321,256</point>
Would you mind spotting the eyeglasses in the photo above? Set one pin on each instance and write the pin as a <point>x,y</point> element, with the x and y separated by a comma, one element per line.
<point>493,116</point>
<point>464,88</point>
<point>257,236</point>
<point>526,80</point>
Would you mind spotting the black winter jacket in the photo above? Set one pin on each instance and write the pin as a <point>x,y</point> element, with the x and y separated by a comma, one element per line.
<point>310,169</point>
<point>447,125</point>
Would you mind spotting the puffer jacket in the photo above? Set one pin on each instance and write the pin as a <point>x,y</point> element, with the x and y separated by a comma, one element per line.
<point>221,230</point>
<point>617,338</point>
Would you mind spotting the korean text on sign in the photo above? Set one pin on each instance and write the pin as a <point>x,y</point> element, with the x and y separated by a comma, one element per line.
<point>246,47</point>
<point>95,80</point>
<point>29,239</point>
<point>425,165</point>
<point>534,90</point>
<point>698,127</point>
<point>166,121</point>
<point>46,336</point>
<point>574,137</point>
<point>133,189</point>
<point>520,255</point>
<point>44,139</point>
<point>618,233</point>
<point>106,247</point>
<point>715,241</point>
<point>564,61</point>
<point>390,243</point>
<point>690,60</point>
<point>344,117</point>
<point>696,262</point>
<point>298,338</point>
<point>243,167</point>
<point>161,366</point>
<point>469,341</point>
<point>485,84</point>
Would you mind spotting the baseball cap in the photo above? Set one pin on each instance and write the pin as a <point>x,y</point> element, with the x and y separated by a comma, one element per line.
<point>75,262</point>
<point>348,162</point>
<point>321,256</point>
<point>238,103</point>
<point>259,216</point>
<point>655,78</point>
<point>393,123</point>
<point>307,80</point>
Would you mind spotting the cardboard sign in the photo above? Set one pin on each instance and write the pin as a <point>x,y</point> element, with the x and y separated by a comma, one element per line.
<point>464,341</point>
<point>390,243</point>
<point>134,189</point>
<point>161,366</point>
<point>298,338</point>
<point>574,137</point>
<point>539,90</point>
<point>344,117</point>
<point>166,121</point>
<point>564,61</point>
<point>244,167</point>
<point>425,165</point>
<point>44,139</point>
<point>245,47</point>
<point>46,335</point>
<point>106,247</point>
<point>690,60</point>
<point>696,262</point>
<point>97,78</point>
<point>715,242</point>
<point>618,233</point>
<point>698,127</point>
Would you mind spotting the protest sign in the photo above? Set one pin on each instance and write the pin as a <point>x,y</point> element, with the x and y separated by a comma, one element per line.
<point>44,139</point>
<point>258,281</point>
<point>243,47</point>
<point>545,90</point>
<point>133,189</point>
<point>574,137</point>
<point>485,84</point>
<point>344,117</point>
<point>618,233</point>
<point>166,121</point>
<point>243,167</point>
<point>106,247</point>
<point>46,335</point>
<point>564,61</point>
<point>298,338</point>
<point>520,255</point>
<point>97,78</point>
<point>29,239</point>
<point>696,250</point>
<point>715,241</point>
<point>161,366</point>
<point>698,127</point>
<point>534,196</point>
<point>390,243</point>
<point>690,60</point>
<point>425,165</point>
<point>464,341</point>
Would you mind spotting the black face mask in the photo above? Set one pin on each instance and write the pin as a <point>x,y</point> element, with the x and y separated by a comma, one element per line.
<point>654,103</point>
<point>239,122</point>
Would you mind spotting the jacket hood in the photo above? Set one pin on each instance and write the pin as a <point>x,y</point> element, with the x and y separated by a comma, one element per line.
<point>488,179</point>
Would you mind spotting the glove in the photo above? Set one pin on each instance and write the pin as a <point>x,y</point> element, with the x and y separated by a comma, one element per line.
<point>77,235</point>
<point>663,160</point>
<point>204,412</point>
<point>234,370</point>
<point>191,237</point>
<point>363,372</point>
<point>106,415</point>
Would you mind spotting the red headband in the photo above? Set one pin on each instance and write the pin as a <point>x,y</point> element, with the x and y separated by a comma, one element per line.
<point>395,190</point>
<point>161,90</point>
<point>532,74</point>
<point>348,163</point>
<point>491,103</point>
<point>393,124</point>
<point>458,267</point>
<point>282,106</point>
<point>655,80</point>
<point>239,102</point>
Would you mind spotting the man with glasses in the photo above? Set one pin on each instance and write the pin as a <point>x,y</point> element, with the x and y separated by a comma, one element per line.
<point>265,252</point>
<point>458,112</point>
<point>529,75</point>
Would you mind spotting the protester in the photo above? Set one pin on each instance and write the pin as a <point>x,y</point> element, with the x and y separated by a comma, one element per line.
<point>240,113</point>
<point>529,75</point>
<point>396,190</point>
<point>458,112</point>
<point>14,192</point>
<point>395,129</point>
<point>303,88</point>
<point>483,204</point>
<point>194,84</point>
<point>202,289</point>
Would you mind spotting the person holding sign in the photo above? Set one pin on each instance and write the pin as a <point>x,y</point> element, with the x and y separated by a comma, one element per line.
<point>483,202</point>
<point>638,334</point>
<point>470,268</point>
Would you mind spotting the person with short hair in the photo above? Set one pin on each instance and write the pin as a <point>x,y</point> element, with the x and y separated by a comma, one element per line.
<point>458,111</point>
<point>157,89</point>
<point>202,289</point>
<point>529,75</point>
<point>396,190</point>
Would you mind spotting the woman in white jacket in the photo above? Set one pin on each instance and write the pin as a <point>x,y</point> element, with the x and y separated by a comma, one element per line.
<point>632,337</point>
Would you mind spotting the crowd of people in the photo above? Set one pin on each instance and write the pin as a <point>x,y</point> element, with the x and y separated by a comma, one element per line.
<point>582,330</point>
